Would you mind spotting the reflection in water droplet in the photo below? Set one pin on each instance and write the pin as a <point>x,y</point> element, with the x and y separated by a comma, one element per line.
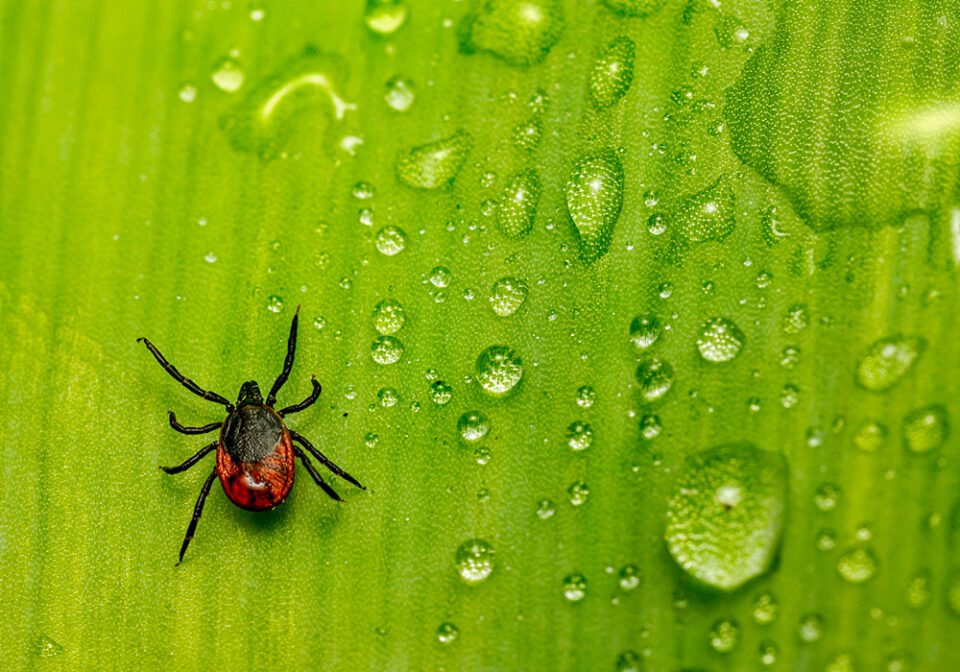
<point>574,587</point>
<point>473,426</point>
<point>474,560</point>
<point>594,194</point>
<point>386,349</point>
<point>720,340</point>
<point>401,93</point>
<point>498,370</point>
<point>925,429</point>
<point>507,295</point>
<point>886,361</point>
<point>385,16</point>
<point>388,317</point>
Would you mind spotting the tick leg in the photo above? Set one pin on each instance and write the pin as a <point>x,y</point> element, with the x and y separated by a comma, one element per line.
<point>192,430</point>
<point>323,460</point>
<point>180,378</point>
<point>288,362</point>
<point>316,477</point>
<point>197,510</point>
<point>309,401</point>
<point>191,461</point>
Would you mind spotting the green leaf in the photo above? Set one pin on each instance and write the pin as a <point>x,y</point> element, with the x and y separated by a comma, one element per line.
<point>548,254</point>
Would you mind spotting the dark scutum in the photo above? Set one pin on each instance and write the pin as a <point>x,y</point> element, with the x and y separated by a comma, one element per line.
<point>251,433</point>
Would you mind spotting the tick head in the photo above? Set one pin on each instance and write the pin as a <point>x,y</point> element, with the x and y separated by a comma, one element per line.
<point>249,395</point>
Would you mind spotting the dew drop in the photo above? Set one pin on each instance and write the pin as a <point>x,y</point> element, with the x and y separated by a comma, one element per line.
<point>474,560</point>
<point>545,509</point>
<point>765,609</point>
<point>385,16</point>
<point>628,661</point>
<point>578,493</point>
<point>645,330</point>
<point>436,163</point>
<point>586,396</point>
<point>481,454</point>
<point>527,134</point>
<point>579,436</point>
<point>391,240</point>
<point>768,651</point>
<point>518,204</point>
<point>886,361</point>
<point>796,319</point>
<point>371,440</point>
<point>228,76</point>
<point>708,214</point>
<point>498,370</point>
<point>650,427</point>
<point>473,426</point>
<point>447,633</point>
<point>440,393</point>
<point>274,304</point>
<point>629,577</point>
<point>655,378</point>
<point>574,587</point>
<point>388,397</point>
<point>870,436</point>
<point>725,515</point>
<point>386,349</point>
<point>188,93</point>
<point>440,277</point>
<point>45,647</point>
<point>826,497</point>
<point>612,74</point>
<point>401,93</point>
<point>388,317</point>
<point>857,565</point>
<point>521,32</point>
<point>842,663</point>
<point>724,636</point>
<point>594,194</point>
<point>720,340</point>
<point>918,591</point>
<point>925,429</point>
<point>811,628</point>
<point>507,295</point>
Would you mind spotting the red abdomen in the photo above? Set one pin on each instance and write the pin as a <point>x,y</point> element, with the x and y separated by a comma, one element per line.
<point>262,485</point>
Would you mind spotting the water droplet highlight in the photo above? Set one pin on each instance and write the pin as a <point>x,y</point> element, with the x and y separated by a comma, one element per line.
<point>386,349</point>
<point>708,214</point>
<point>474,560</point>
<point>645,330</point>
<point>720,340</point>
<point>574,587</point>
<point>518,204</point>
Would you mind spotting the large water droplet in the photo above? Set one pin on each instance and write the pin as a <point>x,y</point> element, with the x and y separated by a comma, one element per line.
<point>391,240</point>
<point>386,349</point>
<point>655,378</point>
<point>264,119</point>
<point>925,429</point>
<point>720,340</point>
<point>436,163</point>
<point>498,370</point>
<point>708,214</point>
<point>508,295</point>
<point>474,560</point>
<point>634,7</point>
<point>594,193</point>
<point>725,515</point>
<point>521,32</point>
<point>612,73</point>
<point>518,205</point>
<point>385,16</point>
<point>886,361</point>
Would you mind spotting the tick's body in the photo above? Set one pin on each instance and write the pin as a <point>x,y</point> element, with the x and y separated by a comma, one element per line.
<point>255,451</point>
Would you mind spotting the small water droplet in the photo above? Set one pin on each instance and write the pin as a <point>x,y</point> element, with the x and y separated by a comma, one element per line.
<point>720,340</point>
<point>228,76</point>
<point>440,393</point>
<point>45,647</point>
<point>857,565</point>
<point>724,636</point>
<point>521,32</point>
<point>436,163</point>
<point>385,16</point>
<point>765,609</point>
<point>518,204</point>
<point>767,651</point>
<point>473,426</point>
<point>274,304</point>
<point>386,349</point>
<point>796,319</point>
<point>391,240</point>
<point>440,277</point>
<point>574,587</point>
<point>827,496</point>
<point>586,397</point>
<point>527,134</point>
<point>925,429</point>
<point>628,661</point>
<point>629,577</point>
<point>545,509</point>
<point>612,73</point>
<point>507,295</point>
<point>655,378</point>
<point>594,194</point>
<point>578,493</point>
<point>388,317</point>
<point>498,370</point>
<point>188,93</point>
<point>789,395</point>
<point>447,633</point>
<point>886,361</point>
<point>708,214</point>
<point>388,397</point>
<point>210,257</point>
<point>645,330</point>
<point>811,628</point>
<point>918,590</point>
<point>481,454</point>
<point>842,663</point>
<point>579,435</point>
<point>474,560</point>
<point>401,93</point>
<point>870,436</point>
<point>371,440</point>
<point>650,427</point>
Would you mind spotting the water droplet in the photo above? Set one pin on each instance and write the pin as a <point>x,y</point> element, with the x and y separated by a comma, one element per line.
<point>385,16</point>
<point>789,395</point>
<point>371,440</point>
<point>386,349</point>
<point>634,7</point>
<point>628,661</point>
<point>826,540</point>
<point>594,193</point>
<point>656,224</point>
<point>436,163</point>
<point>796,319</point>
<point>886,361</point>
<point>918,590</point>
<point>363,191</point>
<point>391,240</point>
<point>629,577</point>
<point>842,663</point>
<point>401,93</point>
<point>731,32</point>
<point>870,436</point>
<point>388,397</point>
<point>826,496</point>
<point>857,565</point>
<point>579,435</point>
<point>188,93</point>
<point>440,277</point>
<point>612,73</point>
<point>498,370</point>
<point>45,647</point>
<point>274,304</point>
<point>518,204</point>
<point>521,32</point>
<point>720,340</point>
<point>655,378</point>
<point>586,397</point>
<point>481,454</point>
<point>228,76</point>
<point>708,214</point>
<point>440,393</point>
<point>388,317</point>
<point>545,509</point>
<point>473,426</point>
<point>508,295</point>
<point>474,560</point>
<point>768,652</point>
<point>578,493</point>
<point>898,661</point>
<point>724,636</point>
<point>210,258</point>
<point>645,330</point>
<point>725,515</point>
<point>789,357</point>
<point>650,427</point>
<point>447,633</point>
<point>574,587</point>
<point>811,628</point>
<point>765,609</point>
<point>925,429</point>
<point>527,134</point>
<point>270,112</point>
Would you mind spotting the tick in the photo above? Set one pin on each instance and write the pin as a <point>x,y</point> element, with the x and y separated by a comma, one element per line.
<point>255,449</point>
